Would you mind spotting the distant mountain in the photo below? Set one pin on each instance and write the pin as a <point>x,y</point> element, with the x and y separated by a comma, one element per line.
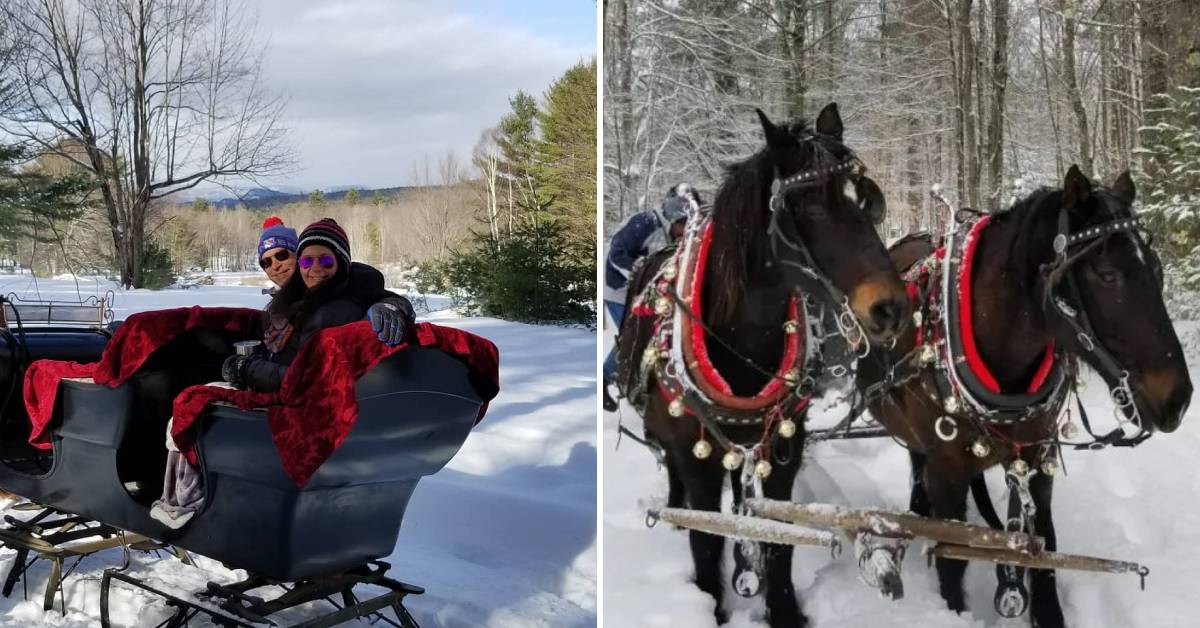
<point>259,198</point>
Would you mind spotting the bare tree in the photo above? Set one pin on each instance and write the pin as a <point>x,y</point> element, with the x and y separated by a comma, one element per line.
<point>486,159</point>
<point>161,94</point>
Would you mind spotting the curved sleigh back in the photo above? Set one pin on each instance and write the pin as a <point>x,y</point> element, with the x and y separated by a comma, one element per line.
<point>415,409</point>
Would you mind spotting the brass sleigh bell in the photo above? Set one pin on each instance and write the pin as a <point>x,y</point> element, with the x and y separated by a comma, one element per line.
<point>762,469</point>
<point>702,449</point>
<point>1020,467</point>
<point>787,428</point>
<point>676,408</point>
<point>1050,468</point>
<point>732,459</point>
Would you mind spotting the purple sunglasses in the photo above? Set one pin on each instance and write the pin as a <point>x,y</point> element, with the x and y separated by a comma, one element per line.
<point>326,261</point>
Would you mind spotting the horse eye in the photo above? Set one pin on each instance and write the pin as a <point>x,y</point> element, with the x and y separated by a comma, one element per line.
<point>1109,276</point>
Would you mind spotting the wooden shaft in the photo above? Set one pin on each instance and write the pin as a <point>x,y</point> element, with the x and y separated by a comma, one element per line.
<point>886,523</point>
<point>1044,560</point>
<point>746,528</point>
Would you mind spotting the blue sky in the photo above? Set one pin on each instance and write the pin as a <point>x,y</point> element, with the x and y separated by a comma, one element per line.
<point>377,85</point>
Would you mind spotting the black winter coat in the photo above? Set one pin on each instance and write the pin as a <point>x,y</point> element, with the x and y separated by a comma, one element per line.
<point>363,289</point>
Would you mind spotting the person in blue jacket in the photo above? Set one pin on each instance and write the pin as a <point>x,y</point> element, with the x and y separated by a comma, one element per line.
<point>641,235</point>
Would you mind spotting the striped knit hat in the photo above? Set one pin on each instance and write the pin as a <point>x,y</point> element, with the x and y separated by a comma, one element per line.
<point>326,231</point>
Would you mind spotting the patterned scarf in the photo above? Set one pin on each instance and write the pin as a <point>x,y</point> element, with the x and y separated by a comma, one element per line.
<point>277,333</point>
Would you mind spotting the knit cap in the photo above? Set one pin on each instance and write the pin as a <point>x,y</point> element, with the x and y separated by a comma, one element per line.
<point>276,236</point>
<point>326,231</point>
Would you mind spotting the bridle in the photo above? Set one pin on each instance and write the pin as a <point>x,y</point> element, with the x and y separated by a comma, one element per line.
<point>852,168</point>
<point>1063,297</point>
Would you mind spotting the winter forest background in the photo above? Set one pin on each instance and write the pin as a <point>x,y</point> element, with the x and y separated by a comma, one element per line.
<point>113,113</point>
<point>986,98</point>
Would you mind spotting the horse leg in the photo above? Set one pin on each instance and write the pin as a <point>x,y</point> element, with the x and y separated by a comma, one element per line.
<point>947,489</point>
<point>702,481</point>
<point>918,501</point>
<point>748,571</point>
<point>783,610</point>
<point>674,482</point>
<point>1045,607</point>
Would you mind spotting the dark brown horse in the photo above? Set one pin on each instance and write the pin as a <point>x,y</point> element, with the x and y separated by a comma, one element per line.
<point>819,219</point>
<point>1063,273</point>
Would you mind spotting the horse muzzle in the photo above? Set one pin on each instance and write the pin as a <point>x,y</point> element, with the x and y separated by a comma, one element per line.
<point>1165,396</point>
<point>882,307</point>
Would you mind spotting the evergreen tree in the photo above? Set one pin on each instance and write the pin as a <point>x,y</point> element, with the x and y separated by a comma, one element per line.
<point>566,154</point>
<point>377,198</point>
<point>201,205</point>
<point>316,199</point>
<point>374,241</point>
<point>31,201</point>
<point>352,197</point>
<point>1169,183</point>
<point>518,138</point>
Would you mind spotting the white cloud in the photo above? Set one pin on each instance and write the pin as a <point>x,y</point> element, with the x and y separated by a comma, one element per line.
<point>375,85</point>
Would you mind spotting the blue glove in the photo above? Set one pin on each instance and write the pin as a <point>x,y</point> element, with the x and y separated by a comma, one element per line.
<point>388,321</point>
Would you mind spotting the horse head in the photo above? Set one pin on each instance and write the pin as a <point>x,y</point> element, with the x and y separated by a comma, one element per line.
<point>1110,302</point>
<point>827,208</point>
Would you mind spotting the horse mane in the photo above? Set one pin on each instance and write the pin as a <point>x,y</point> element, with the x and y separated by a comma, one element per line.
<point>740,218</point>
<point>1028,244</point>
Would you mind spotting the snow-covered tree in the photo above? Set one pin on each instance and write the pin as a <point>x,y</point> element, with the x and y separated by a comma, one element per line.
<point>1169,184</point>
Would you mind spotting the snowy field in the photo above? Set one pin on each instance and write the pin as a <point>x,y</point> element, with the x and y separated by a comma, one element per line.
<point>503,536</point>
<point>1141,505</point>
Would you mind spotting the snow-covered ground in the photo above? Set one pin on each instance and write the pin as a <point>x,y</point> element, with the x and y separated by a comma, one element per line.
<point>503,536</point>
<point>1141,505</point>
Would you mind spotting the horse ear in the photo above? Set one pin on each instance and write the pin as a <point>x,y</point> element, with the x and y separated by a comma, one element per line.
<point>1124,189</point>
<point>829,122</point>
<point>1076,187</point>
<point>777,137</point>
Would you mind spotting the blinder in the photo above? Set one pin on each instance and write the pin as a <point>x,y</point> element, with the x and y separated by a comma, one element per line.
<point>870,199</point>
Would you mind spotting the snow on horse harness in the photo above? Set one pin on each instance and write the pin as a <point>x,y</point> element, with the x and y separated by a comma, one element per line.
<point>678,356</point>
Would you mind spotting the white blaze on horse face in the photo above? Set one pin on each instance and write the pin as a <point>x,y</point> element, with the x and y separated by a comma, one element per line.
<point>850,192</point>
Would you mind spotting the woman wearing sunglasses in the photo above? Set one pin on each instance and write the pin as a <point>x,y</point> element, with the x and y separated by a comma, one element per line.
<point>325,289</point>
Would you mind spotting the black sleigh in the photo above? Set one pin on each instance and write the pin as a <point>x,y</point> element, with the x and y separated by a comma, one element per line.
<point>106,466</point>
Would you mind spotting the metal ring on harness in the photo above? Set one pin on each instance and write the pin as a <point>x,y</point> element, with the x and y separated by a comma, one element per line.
<point>1086,341</point>
<point>946,428</point>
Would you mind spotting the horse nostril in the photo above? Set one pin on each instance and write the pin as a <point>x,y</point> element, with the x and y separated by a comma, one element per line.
<point>886,315</point>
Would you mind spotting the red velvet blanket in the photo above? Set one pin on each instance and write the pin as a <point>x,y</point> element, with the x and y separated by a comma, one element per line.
<point>315,408</point>
<point>132,344</point>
